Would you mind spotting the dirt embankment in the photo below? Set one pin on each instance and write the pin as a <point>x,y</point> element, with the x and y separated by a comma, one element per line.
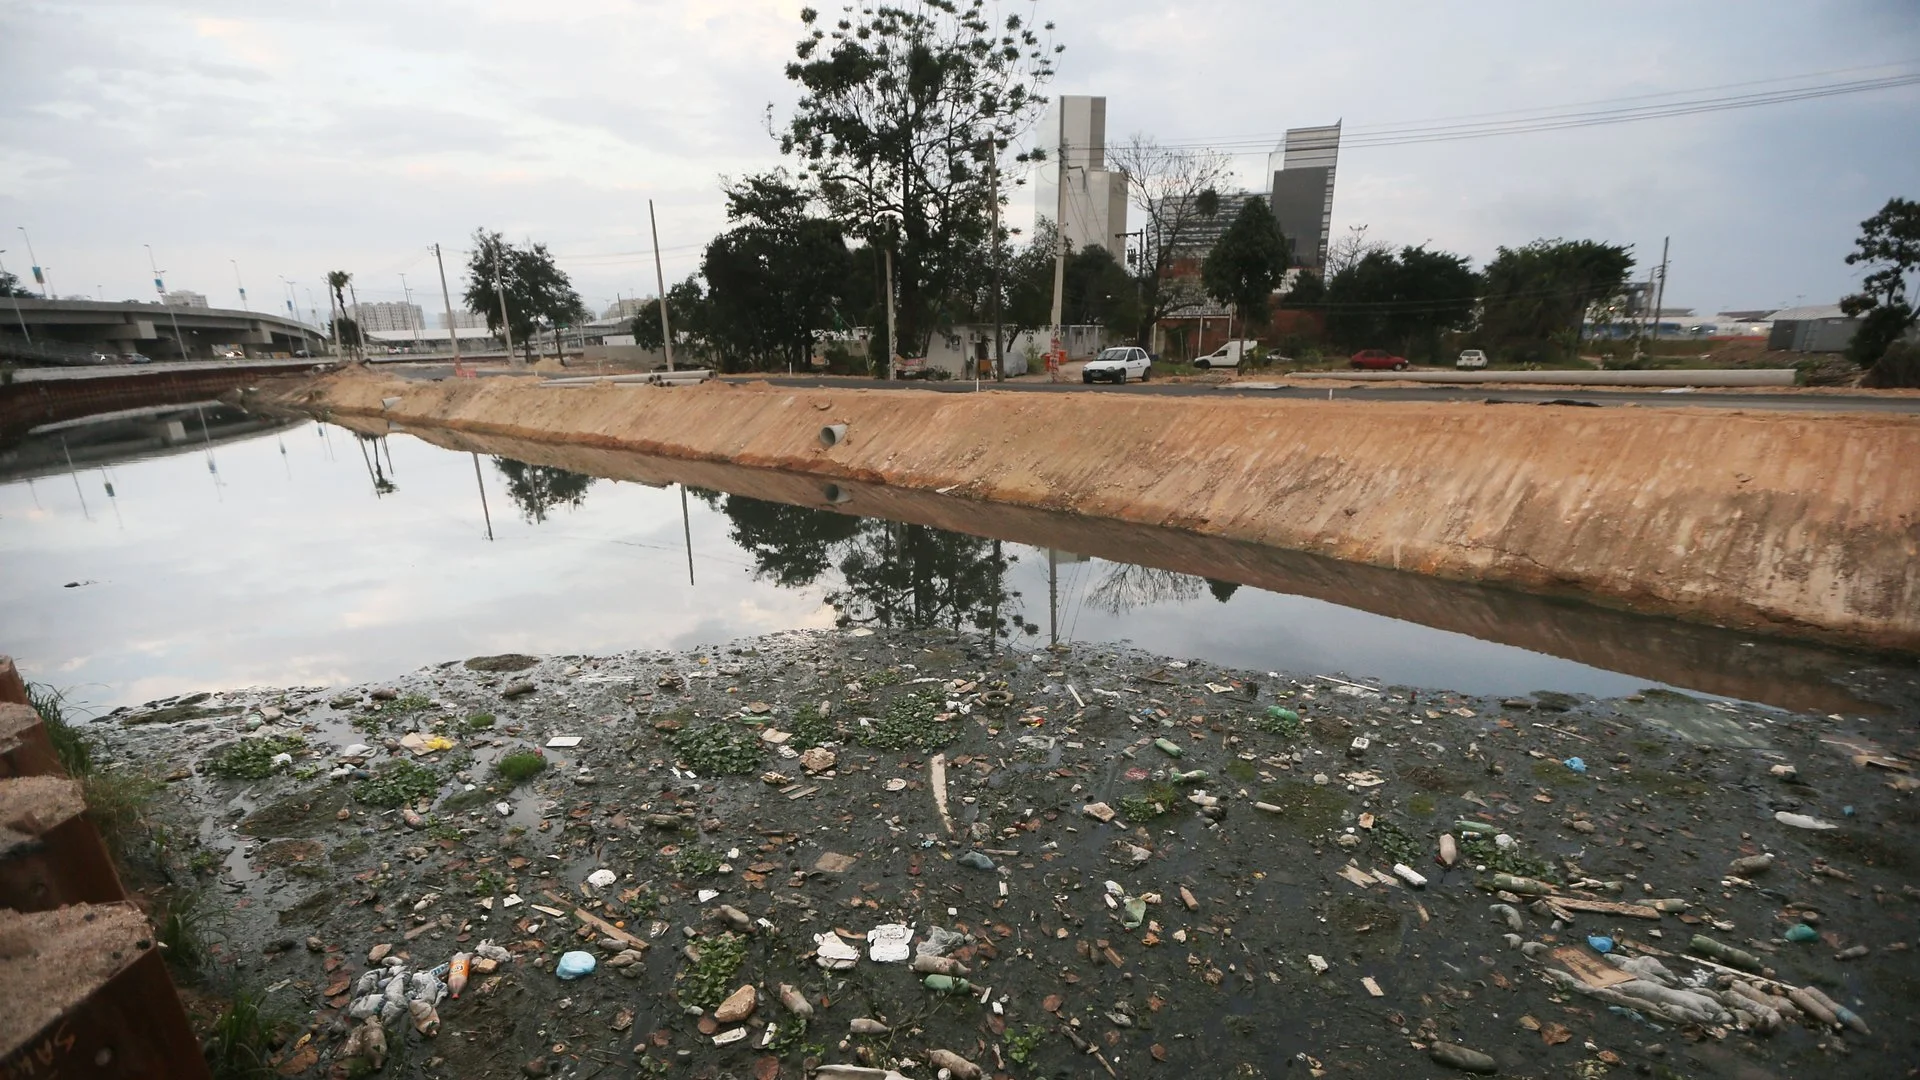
<point>1799,523</point>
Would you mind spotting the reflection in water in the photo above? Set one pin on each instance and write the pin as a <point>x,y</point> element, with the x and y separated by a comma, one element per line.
<point>1127,587</point>
<point>891,574</point>
<point>537,489</point>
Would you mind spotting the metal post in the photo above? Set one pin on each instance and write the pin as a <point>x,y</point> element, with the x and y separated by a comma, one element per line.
<point>40,275</point>
<point>1060,256</point>
<point>453,336</point>
<point>482,485</point>
<point>1660,297</point>
<point>660,282</point>
<point>891,344</point>
<point>160,287</point>
<point>241,285</point>
<point>686,529</point>
<point>413,324</point>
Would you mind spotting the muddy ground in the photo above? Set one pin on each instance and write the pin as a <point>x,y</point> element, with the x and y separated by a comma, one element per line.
<point>1248,922</point>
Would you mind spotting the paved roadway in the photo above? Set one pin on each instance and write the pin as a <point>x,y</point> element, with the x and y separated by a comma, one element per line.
<point>1780,401</point>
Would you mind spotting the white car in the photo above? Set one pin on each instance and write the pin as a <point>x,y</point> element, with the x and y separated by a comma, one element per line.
<point>1118,364</point>
<point>1471,358</point>
<point>1228,355</point>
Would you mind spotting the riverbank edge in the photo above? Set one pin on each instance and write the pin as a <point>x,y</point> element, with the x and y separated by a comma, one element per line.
<point>1801,524</point>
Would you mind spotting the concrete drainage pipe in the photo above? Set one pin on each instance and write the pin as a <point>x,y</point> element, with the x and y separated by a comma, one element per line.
<point>836,494</point>
<point>833,435</point>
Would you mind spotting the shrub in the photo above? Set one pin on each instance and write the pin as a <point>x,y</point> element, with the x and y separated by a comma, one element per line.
<point>520,766</point>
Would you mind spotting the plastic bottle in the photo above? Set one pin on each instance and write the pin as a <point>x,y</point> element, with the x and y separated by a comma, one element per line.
<point>948,984</point>
<point>457,971</point>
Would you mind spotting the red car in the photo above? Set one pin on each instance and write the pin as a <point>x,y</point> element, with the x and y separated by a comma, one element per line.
<point>1378,358</point>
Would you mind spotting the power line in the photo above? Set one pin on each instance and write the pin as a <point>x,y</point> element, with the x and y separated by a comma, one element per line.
<point>1563,119</point>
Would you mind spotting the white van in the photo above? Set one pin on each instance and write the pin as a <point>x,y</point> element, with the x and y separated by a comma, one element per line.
<point>1228,355</point>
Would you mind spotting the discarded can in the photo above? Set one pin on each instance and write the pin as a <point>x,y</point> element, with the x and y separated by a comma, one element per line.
<point>457,971</point>
<point>1169,748</point>
<point>948,984</point>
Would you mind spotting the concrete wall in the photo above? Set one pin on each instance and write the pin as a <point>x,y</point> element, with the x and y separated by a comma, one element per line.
<point>1802,523</point>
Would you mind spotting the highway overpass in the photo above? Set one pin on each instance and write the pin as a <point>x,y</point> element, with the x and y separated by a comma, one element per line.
<point>69,330</point>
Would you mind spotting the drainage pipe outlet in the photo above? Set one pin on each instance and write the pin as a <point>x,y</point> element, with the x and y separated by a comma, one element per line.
<point>832,435</point>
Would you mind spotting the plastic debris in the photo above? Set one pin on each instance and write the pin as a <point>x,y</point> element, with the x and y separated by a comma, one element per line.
<point>1576,764</point>
<point>974,860</point>
<point>1724,953</point>
<point>602,878</point>
<point>795,1002</point>
<point>947,984</point>
<point>1169,748</point>
<point>1751,865</point>
<point>959,1067</point>
<point>1600,943</point>
<point>573,965</point>
<point>1409,875</point>
<point>889,943</point>
<point>1802,821</point>
<point>1459,1057</point>
<point>458,970</point>
<point>1802,932</point>
<point>832,953</point>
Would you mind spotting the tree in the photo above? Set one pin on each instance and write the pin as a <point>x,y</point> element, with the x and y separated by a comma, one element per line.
<point>1248,261</point>
<point>337,281</point>
<point>10,287</point>
<point>1176,192</point>
<point>537,489</point>
<point>1889,243</point>
<point>775,278</point>
<point>687,310</point>
<point>1403,301</point>
<point>901,110</point>
<point>537,291</point>
<point>1537,297</point>
<point>1346,252</point>
<point>347,331</point>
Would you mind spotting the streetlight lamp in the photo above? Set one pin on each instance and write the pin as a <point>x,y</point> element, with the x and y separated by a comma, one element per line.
<point>160,287</point>
<point>39,273</point>
<point>16,302</point>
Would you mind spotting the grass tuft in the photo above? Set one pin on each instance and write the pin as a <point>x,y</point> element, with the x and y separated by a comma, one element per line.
<point>520,766</point>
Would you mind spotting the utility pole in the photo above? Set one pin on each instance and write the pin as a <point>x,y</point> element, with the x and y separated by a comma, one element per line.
<point>413,324</point>
<point>890,338</point>
<point>506,328</point>
<point>241,285</point>
<point>1061,242</point>
<point>1660,297</point>
<point>993,195</point>
<point>446,297</point>
<point>359,332</point>
<point>660,282</point>
<point>16,306</point>
<point>39,274</point>
<point>159,287</point>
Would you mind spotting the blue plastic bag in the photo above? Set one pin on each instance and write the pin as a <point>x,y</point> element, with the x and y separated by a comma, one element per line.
<point>575,964</point>
<point>1575,764</point>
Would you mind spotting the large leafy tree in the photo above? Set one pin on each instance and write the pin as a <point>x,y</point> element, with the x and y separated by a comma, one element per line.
<point>1177,195</point>
<point>1401,301</point>
<point>687,311</point>
<point>538,489</point>
<point>776,277</point>
<point>538,293</point>
<point>1536,297</point>
<point>1889,244</point>
<point>10,287</point>
<point>901,110</point>
<point>1248,261</point>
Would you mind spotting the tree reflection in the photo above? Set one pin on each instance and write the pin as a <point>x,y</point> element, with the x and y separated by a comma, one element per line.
<point>537,489</point>
<point>891,574</point>
<point>1128,586</point>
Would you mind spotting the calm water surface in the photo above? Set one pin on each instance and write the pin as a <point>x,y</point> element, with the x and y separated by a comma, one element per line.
<point>305,554</point>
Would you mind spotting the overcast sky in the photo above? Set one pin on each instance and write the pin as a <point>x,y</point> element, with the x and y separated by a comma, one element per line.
<point>297,138</point>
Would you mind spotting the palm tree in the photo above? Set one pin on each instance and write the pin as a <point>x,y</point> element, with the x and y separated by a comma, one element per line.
<point>337,282</point>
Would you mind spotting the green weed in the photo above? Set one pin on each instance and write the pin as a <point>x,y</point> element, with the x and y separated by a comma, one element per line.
<point>707,982</point>
<point>520,766</point>
<point>696,862</point>
<point>909,724</point>
<point>477,722</point>
<point>252,759</point>
<point>717,749</point>
<point>70,745</point>
<point>396,784</point>
<point>810,729</point>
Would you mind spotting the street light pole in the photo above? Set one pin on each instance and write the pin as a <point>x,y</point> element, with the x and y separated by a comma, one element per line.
<point>241,284</point>
<point>160,287</point>
<point>660,280</point>
<point>39,273</point>
<point>16,303</point>
<point>412,323</point>
<point>506,326</point>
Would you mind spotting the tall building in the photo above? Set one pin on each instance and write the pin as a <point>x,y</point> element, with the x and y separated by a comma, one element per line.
<point>1074,136</point>
<point>1197,233</point>
<point>1303,171</point>
<point>186,298</point>
<point>462,320</point>
<point>627,307</point>
<point>387,315</point>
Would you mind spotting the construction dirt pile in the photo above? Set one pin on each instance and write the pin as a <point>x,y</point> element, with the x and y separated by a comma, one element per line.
<point>1804,523</point>
<point>858,854</point>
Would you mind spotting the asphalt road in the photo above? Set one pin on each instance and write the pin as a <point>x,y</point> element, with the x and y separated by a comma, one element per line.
<point>1785,401</point>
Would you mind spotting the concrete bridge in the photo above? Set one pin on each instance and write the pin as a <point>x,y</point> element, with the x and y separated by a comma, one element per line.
<point>71,330</point>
